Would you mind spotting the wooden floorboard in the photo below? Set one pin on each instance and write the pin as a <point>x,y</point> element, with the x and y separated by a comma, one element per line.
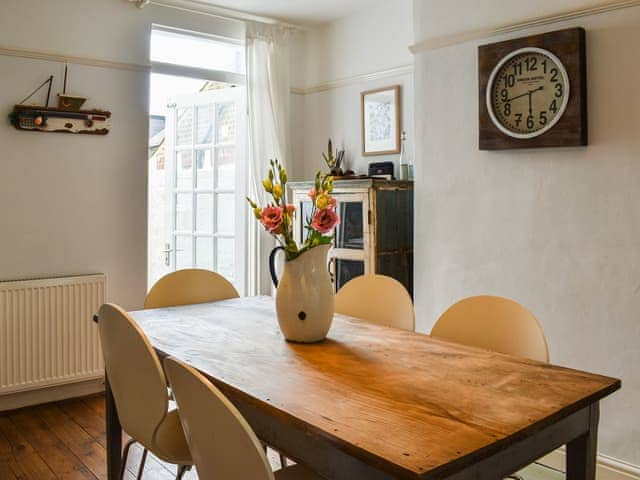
<point>90,420</point>
<point>51,449</point>
<point>76,439</point>
<point>66,440</point>
<point>24,461</point>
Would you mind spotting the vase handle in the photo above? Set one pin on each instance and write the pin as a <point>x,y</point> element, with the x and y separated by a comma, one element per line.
<point>272,266</point>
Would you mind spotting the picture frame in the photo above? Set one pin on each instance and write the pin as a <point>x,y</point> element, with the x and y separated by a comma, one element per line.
<point>380,121</point>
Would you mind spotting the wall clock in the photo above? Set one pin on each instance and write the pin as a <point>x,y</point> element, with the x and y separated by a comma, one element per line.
<point>533,92</point>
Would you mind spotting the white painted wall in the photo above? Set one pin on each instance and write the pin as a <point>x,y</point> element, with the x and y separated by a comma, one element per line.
<point>370,40</point>
<point>74,204</point>
<point>556,229</point>
<point>367,42</point>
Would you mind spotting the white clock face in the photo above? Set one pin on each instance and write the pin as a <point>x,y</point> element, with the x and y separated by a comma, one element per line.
<point>527,93</point>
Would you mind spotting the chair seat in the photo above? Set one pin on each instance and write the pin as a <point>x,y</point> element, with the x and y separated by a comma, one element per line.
<point>296,472</point>
<point>171,444</point>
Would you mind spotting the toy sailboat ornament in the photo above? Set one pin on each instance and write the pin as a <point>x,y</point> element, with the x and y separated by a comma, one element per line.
<point>66,118</point>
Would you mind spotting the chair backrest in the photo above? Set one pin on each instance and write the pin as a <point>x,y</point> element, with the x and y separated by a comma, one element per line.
<point>186,287</point>
<point>135,374</point>
<point>378,299</point>
<point>221,442</point>
<point>494,323</point>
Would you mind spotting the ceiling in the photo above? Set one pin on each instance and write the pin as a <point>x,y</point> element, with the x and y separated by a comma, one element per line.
<point>296,11</point>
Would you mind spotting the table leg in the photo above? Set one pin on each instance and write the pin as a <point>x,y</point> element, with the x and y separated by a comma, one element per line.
<point>114,435</point>
<point>581,452</point>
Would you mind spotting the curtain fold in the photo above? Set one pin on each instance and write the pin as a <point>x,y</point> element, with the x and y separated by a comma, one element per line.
<point>268,98</point>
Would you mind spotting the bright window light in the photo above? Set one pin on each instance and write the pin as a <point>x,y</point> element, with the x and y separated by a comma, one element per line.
<point>196,51</point>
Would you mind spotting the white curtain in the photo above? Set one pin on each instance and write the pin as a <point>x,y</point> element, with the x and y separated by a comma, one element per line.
<point>268,96</point>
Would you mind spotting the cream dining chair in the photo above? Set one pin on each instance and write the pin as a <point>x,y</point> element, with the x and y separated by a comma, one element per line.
<point>494,323</point>
<point>188,287</point>
<point>140,391</point>
<point>378,299</point>
<point>222,443</point>
<point>185,287</point>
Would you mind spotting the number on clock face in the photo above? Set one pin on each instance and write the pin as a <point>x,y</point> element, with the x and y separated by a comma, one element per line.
<point>527,93</point>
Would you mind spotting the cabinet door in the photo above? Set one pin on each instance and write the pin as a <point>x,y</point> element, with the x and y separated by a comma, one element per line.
<point>350,254</point>
<point>351,249</point>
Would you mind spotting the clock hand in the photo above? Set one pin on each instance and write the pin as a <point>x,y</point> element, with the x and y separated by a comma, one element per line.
<point>524,94</point>
<point>531,92</point>
<point>508,100</point>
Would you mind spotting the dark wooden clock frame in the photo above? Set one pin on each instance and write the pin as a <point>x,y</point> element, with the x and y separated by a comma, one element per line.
<point>571,130</point>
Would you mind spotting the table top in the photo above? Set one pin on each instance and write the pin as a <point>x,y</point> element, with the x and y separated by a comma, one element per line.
<point>402,401</point>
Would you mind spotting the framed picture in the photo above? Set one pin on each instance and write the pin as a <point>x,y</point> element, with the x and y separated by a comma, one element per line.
<point>381,121</point>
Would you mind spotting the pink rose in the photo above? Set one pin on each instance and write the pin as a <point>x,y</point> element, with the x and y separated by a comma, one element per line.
<point>271,218</point>
<point>325,220</point>
<point>312,193</point>
<point>290,208</point>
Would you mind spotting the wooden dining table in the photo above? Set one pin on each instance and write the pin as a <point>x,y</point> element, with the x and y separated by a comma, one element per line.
<point>375,403</point>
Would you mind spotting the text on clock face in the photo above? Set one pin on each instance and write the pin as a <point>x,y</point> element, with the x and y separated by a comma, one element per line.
<point>528,93</point>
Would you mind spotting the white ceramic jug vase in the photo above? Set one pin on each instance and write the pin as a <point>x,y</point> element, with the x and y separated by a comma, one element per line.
<point>304,296</point>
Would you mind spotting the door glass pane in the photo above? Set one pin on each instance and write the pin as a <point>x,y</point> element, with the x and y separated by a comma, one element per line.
<point>204,164</point>
<point>225,168</point>
<point>204,124</point>
<point>225,213</point>
<point>349,232</point>
<point>225,123</point>
<point>184,251</point>
<point>204,212</point>
<point>184,212</point>
<point>185,126</point>
<point>204,252</point>
<point>346,270</point>
<point>184,169</point>
<point>225,256</point>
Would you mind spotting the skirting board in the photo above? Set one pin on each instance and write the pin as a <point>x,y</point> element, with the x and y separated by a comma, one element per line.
<point>51,394</point>
<point>608,468</point>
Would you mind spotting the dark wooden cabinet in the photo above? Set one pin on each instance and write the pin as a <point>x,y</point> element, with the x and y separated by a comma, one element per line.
<point>375,234</point>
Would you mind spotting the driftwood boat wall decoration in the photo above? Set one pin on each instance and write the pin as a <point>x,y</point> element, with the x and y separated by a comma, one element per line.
<point>66,118</point>
<point>43,119</point>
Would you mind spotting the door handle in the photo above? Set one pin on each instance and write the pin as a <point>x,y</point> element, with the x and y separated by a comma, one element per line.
<point>167,252</point>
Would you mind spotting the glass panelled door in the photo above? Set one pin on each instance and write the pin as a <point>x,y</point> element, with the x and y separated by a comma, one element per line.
<point>204,147</point>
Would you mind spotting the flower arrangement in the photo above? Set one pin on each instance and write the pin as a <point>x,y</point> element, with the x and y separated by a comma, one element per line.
<point>277,216</point>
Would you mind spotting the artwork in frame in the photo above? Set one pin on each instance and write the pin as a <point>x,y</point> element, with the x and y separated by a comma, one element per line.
<point>380,120</point>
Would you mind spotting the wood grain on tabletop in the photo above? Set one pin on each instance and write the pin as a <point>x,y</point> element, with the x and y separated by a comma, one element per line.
<point>397,399</point>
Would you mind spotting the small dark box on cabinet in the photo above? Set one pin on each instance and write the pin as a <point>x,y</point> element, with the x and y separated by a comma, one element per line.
<point>381,168</point>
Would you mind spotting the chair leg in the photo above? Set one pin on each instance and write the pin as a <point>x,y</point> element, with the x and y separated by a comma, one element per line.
<point>182,469</point>
<point>125,456</point>
<point>142,462</point>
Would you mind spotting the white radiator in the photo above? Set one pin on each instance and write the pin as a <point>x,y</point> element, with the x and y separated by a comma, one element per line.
<point>47,336</point>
